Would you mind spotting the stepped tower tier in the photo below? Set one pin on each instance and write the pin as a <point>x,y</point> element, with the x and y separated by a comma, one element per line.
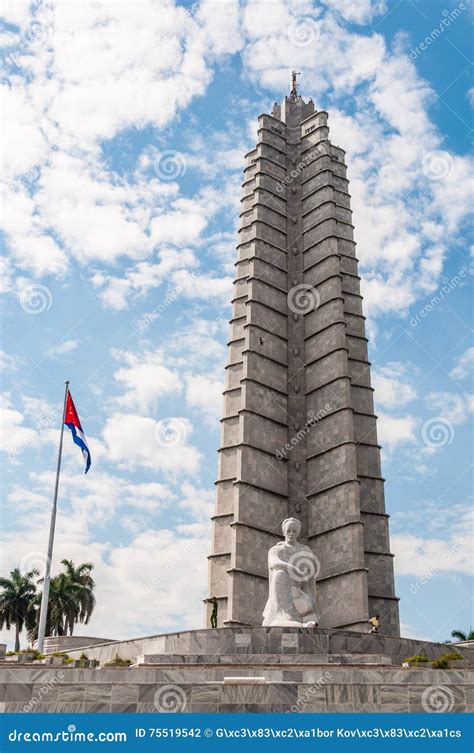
<point>299,434</point>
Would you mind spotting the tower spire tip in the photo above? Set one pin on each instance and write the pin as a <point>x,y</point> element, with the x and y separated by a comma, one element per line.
<point>294,84</point>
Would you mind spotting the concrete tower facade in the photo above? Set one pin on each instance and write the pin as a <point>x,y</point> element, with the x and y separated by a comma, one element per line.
<point>299,431</point>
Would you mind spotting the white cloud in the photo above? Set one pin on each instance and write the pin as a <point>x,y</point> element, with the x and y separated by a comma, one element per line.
<point>419,556</point>
<point>20,131</point>
<point>198,502</point>
<point>14,437</point>
<point>41,412</point>
<point>131,443</point>
<point>357,11</point>
<point>204,287</point>
<point>62,348</point>
<point>453,407</point>
<point>117,292</point>
<point>9,362</point>
<point>197,344</point>
<point>391,385</point>
<point>204,392</point>
<point>221,28</point>
<point>103,69</point>
<point>145,379</point>
<point>464,366</point>
<point>394,431</point>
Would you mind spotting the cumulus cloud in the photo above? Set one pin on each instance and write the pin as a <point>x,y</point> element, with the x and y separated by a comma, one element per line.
<point>419,556</point>
<point>135,441</point>
<point>14,437</point>
<point>394,431</point>
<point>442,547</point>
<point>464,365</point>
<point>145,380</point>
<point>451,406</point>
<point>392,387</point>
<point>204,393</point>
<point>103,69</point>
<point>9,362</point>
<point>62,348</point>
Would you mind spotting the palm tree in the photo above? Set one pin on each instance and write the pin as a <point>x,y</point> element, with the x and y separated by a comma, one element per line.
<point>17,601</point>
<point>84,586</point>
<point>71,600</point>
<point>63,606</point>
<point>463,636</point>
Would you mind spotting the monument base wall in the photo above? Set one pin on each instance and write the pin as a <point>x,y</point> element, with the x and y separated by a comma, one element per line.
<point>247,669</point>
<point>237,688</point>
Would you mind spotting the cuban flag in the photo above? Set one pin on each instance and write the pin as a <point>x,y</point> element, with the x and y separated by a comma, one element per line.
<point>71,419</point>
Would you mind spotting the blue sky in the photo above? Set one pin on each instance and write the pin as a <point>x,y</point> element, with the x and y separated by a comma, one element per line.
<point>126,126</point>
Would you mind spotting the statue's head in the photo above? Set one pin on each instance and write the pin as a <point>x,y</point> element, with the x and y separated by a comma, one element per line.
<point>291,528</point>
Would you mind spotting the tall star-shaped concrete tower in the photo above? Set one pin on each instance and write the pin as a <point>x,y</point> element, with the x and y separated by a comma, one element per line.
<point>299,433</point>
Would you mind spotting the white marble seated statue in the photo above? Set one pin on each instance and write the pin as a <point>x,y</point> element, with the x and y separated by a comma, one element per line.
<point>292,568</point>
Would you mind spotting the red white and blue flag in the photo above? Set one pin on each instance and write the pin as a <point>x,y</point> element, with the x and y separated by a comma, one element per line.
<point>71,419</point>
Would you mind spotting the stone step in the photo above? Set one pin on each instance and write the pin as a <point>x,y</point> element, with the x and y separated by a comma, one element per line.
<point>283,641</point>
<point>271,660</point>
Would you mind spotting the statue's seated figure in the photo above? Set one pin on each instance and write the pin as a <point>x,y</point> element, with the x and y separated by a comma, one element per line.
<point>292,569</point>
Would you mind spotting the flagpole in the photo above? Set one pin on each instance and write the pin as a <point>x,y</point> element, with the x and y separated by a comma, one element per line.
<point>47,575</point>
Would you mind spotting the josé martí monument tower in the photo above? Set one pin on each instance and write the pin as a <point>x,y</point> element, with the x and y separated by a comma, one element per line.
<point>299,433</point>
<point>299,459</point>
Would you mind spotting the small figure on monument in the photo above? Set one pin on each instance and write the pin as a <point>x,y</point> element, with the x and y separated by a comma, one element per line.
<point>292,569</point>
<point>215,608</point>
<point>375,622</point>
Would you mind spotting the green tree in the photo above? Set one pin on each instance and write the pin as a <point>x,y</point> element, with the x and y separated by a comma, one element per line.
<point>463,636</point>
<point>17,599</point>
<point>71,600</point>
<point>80,577</point>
